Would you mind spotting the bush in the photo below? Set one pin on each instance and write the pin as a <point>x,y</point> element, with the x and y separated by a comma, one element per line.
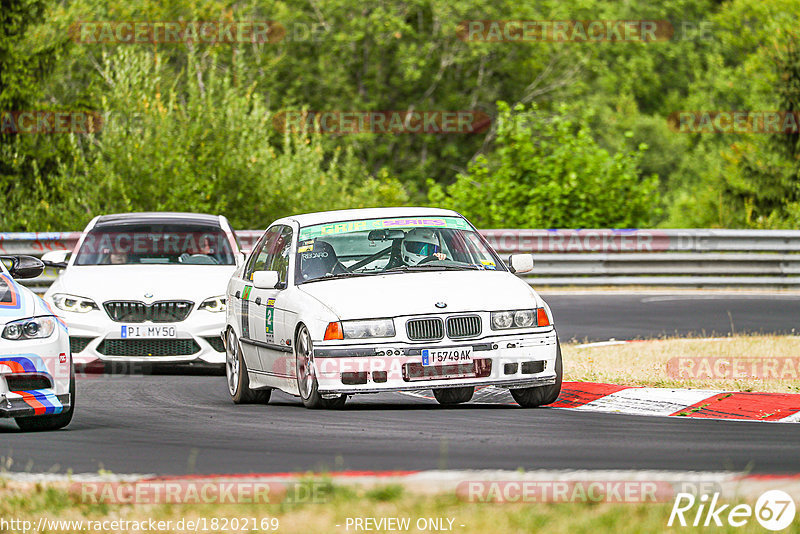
<point>548,172</point>
<point>210,147</point>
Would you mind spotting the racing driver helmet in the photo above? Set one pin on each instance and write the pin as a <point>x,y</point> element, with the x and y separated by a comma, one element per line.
<point>418,244</point>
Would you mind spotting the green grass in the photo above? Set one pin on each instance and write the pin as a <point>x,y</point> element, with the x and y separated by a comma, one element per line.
<point>31,501</point>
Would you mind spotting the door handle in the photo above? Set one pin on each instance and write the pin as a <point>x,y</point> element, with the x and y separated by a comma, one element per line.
<point>258,301</point>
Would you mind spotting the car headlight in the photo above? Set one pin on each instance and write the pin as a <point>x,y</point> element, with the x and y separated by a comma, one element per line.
<point>71,303</point>
<point>503,320</point>
<point>30,328</point>
<point>214,304</point>
<point>365,329</point>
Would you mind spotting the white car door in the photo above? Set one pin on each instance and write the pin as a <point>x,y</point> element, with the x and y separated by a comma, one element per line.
<point>245,306</point>
<point>268,315</point>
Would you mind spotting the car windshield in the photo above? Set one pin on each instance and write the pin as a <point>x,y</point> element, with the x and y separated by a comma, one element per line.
<point>7,295</point>
<point>170,244</point>
<point>373,246</point>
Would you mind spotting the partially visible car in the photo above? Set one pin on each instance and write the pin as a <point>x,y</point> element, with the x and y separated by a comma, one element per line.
<point>364,301</point>
<point>37,379</point>
<point>146,287</point>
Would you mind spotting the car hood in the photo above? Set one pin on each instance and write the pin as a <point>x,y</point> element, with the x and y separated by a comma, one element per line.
<point>131,282</point>
<point>417,293</point>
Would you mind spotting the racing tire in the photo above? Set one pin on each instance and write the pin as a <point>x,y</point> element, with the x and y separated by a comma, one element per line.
<point>541,395</point>
<point>237,377</point>
<point>39,423</point>
<point>450,396</point>
<point>305,369</point>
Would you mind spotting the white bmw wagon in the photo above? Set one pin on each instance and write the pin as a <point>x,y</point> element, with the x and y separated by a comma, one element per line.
<point>386,299</point>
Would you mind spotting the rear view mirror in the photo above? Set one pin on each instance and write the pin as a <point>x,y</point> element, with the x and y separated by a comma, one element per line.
<point>385,235</point>
<point>55,258</point>
<point>23,266</point>
<point>520,263</point>
<point>265,279</point>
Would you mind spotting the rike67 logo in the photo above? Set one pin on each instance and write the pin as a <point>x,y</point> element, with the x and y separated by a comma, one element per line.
<point>774,510</point>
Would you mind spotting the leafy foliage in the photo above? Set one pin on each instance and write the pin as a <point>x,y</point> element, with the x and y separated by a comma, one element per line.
<point>207,149</point>
<point>549,172</point>
<point>189,125</point>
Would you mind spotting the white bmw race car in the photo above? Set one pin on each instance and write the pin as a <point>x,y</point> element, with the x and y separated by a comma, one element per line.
<point>37,381</point>
<point>364,301</point>
<point>146,288</point>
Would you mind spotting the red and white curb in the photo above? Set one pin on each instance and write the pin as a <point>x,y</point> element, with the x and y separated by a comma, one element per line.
<point>666,402</point>
<point>690,403</point>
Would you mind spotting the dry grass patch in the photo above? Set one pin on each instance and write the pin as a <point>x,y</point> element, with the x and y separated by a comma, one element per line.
<point>737,363</point>
<point>32,501</point>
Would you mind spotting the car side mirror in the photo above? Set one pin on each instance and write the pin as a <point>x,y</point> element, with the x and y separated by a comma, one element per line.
<point>240,258</point>
<point>22,267</point>
<point>265,279</point>
<point>520,263</point>
<point>55,258</point>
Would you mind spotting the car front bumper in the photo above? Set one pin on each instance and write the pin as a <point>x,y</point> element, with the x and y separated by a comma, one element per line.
<point>37,402</point>
<point>510,361</point>
<point>95,337</point>
<point>35,375</point>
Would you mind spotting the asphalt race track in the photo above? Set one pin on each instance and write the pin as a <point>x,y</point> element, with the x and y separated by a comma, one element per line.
<point>169,423</point>
<point>598,317</point>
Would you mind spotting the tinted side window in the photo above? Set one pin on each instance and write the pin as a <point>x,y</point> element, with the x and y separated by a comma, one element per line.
<point>273,254</point>
<point>278,259</point>
<point>258,256</point>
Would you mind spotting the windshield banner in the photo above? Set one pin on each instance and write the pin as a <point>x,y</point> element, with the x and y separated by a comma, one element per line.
<point>344,227</point>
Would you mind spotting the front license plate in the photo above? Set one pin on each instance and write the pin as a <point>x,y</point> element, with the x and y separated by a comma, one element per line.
<point>446,356</point>
<point>139,331</point>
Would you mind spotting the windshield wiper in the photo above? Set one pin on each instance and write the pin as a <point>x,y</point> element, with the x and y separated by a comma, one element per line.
<point>433,267</point>
<point>330,276</point>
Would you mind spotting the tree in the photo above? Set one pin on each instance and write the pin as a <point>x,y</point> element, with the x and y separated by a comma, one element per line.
<point>28,55</point>
<point>547,171</point>
<point>209,147</point>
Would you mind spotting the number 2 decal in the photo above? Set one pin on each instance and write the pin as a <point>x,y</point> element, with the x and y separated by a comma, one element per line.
<point>270,319</point>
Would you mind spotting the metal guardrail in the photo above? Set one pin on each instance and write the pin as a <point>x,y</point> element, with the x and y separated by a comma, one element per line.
<point>691,258</point>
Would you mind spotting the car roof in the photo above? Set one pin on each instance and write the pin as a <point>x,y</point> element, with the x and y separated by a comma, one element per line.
<point>310,219</point>
<point>157,217</point>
